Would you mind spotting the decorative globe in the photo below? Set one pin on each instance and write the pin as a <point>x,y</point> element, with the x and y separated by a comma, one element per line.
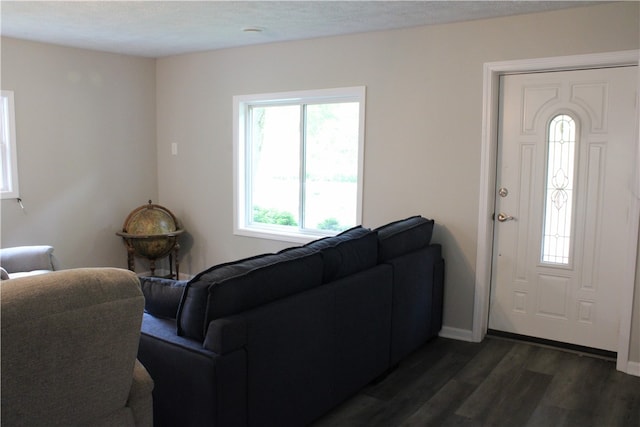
<point>151,230</point>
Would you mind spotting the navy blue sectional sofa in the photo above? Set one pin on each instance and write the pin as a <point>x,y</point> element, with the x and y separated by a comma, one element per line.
<point>280,339</point>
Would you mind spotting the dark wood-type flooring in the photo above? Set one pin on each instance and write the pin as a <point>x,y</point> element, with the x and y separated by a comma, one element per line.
<point>497,382</point>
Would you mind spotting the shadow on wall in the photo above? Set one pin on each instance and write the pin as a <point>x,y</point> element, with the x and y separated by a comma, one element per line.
<point>186,242</point>
<point>459,283</point>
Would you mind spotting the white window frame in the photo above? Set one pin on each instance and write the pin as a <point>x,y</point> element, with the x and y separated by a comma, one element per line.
<point>8,146</point>
<point>241,105</point>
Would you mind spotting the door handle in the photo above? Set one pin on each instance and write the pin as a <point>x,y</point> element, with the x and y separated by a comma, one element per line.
<point>504,217</point>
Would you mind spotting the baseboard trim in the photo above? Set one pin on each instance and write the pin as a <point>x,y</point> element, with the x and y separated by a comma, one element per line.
<point>633,368</point>
<point>164,273</point>
<point>456,333</point>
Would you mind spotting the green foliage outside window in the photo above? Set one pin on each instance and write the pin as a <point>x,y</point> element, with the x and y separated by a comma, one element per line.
<point>330,224</point>
<point>272,216</point>
<point>278,217</point>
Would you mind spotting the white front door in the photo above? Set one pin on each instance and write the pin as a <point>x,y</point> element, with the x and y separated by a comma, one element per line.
<point>564,177</point>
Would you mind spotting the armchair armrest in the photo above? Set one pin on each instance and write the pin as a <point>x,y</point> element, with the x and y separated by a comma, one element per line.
<point>140,398</point>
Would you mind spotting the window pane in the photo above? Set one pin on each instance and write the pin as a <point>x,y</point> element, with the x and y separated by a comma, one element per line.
<point>275,165</point>
<point>331,158</point>
<point>4,147</point>
<point>556,237</point>
<point>8,160</point>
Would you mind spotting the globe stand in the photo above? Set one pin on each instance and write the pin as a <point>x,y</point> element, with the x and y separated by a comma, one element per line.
<point>150,231</point>
<point>130,240</point>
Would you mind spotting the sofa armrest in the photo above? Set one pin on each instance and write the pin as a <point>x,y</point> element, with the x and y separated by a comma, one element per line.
<point>193,386</point>
<point>226,335</point>
<point>418,280</point>
<point>140,398</point>
<point>28,258</point>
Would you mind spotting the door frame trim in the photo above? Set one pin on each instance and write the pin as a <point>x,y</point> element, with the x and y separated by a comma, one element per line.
<point>488,156</point>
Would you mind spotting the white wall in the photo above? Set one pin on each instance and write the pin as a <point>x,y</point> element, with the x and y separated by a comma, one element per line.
<point>85,126</point>
<point>423,123</point>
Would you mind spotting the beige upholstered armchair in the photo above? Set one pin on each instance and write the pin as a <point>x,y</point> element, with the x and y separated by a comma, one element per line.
<point>69,346</point>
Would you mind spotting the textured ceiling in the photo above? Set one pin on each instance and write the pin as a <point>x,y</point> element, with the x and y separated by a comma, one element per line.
<point>162,28</point>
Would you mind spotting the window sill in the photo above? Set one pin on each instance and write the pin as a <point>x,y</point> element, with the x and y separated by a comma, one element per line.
<point>282,236</point>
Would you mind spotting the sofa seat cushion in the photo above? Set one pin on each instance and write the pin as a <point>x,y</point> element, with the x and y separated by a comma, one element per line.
<point>347,253</point>
<point>237,286</point>
<point>403,236</point>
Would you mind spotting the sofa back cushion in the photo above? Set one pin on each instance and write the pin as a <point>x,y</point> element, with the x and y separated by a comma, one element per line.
<point>347,253</point>
<point>162,296</point>
<point>403,236</point>
<point>237,286</point>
